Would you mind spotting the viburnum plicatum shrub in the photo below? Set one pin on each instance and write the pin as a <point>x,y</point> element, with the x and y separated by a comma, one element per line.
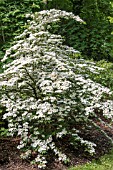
<point>48,93</point>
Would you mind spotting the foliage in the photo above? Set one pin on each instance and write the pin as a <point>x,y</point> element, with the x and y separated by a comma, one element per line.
<point>12,19</point>
<point>99,28</point>
<point>3,132</point>
<point>105,162</point>
<point>106,76</point>
<point>58,4</point>
<point>47,92</point>
<point>2,123</point>
<point>94,39</point>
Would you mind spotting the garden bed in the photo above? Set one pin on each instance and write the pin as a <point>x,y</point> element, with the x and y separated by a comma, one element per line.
<point>10,155</point>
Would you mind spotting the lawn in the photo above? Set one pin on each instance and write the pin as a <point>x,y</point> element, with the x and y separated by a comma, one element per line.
<point>104,163</point>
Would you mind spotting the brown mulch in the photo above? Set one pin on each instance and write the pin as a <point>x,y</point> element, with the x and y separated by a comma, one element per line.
<point>10,156</point>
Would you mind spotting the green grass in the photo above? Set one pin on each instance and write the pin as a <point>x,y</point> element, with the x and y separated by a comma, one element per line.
<point>104,163</point>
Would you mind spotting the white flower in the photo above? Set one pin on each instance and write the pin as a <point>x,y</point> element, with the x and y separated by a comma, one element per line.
<point>20,146</point>
<point>60,134</point>
<point>28,15</point>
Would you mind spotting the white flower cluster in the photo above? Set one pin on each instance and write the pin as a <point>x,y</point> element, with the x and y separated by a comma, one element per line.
<point>46,92</point>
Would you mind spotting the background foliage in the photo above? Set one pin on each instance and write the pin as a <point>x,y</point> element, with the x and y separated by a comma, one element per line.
<point>12,19</point>
<point>93,38</point>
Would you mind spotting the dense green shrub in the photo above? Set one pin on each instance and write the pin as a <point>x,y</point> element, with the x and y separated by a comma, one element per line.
<point>106,76</point>
<point>12,19</point>
<point>92,43</point>
<point>94,38</point>
<point>47,92</point>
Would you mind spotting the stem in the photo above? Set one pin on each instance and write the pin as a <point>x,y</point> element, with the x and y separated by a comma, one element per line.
<point>34,90</point>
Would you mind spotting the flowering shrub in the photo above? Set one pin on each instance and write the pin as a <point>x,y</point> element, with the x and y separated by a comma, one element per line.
<point>47,91</point>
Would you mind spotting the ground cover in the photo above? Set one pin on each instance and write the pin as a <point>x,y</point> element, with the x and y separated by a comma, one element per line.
<point>105,162</point>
